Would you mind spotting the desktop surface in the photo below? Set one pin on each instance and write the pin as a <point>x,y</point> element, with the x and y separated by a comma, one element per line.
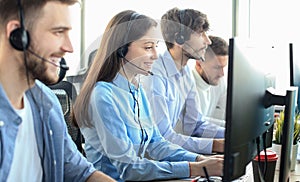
<point>248,177</point>
<point>294,175</point>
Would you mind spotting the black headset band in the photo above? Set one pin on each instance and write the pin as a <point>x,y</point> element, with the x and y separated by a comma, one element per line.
<point>181,19</point>
<point>133,17</point>
<point>122,51</point>
<point>180,36</point>
<point>19,38</point>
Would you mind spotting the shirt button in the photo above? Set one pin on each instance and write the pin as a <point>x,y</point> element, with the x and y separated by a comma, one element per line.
<point>54,162</point>
<point>1,123</point>
<point>50,132</point>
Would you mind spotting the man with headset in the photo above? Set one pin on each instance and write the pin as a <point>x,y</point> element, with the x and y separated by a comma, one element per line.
<point>34,143</point>
<point>172,90</point>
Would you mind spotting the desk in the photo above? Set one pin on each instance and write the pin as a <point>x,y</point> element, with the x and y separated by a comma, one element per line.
<point>294,177</point>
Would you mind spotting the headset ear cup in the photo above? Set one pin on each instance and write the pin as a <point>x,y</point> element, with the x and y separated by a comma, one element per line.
<point>19,38</point>
<point>179,38</point>
<point>122,51</point>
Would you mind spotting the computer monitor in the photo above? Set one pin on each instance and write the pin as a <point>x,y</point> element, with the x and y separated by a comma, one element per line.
<point>295,69</point>
<point>247,119</point>
<point>289,114</point>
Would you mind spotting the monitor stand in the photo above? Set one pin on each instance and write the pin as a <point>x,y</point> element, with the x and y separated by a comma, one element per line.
<point>289,101</point>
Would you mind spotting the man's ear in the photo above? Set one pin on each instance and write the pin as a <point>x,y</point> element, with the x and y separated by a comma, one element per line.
<point>198,67</point>
<point>11,26</point>
<point>198,64</point>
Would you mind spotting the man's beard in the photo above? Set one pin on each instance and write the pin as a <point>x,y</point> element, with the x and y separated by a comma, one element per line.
<point>209,80</point>
<point>37,68</point>
<point>190,56</point>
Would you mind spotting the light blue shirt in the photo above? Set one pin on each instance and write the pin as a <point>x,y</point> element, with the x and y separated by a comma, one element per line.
<point>175,103</point>
<point>112,144</point>
<point>61,161</point>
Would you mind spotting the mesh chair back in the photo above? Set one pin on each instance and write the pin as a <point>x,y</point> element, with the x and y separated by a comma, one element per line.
<point>66,94</point>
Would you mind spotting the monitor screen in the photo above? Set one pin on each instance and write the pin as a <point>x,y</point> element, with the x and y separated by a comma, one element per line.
<point>249,76</point>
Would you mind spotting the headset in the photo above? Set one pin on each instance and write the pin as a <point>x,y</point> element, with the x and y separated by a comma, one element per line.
<point>179,37</point>
<point>19,38</point>
<point>122,51</point>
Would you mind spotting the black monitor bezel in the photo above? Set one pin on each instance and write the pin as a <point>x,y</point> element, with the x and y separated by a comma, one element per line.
<point>235,161</point>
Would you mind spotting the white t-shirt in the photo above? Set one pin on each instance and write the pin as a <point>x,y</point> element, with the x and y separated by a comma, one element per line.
<point>26,165</point>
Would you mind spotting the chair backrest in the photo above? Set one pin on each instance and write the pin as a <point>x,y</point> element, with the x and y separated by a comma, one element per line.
<point>91,57</point>
<point>66,94</point>
<point>78,79</point>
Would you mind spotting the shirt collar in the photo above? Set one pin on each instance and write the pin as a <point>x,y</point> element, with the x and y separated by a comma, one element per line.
<point>170,65</point>
<point>121,82</point>
<point>37,91</point>
<point>6,107</point>
<point>41,94</point>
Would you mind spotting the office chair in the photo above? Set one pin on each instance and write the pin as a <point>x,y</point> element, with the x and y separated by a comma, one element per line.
<point>92,56</point>
<point>66,94</point>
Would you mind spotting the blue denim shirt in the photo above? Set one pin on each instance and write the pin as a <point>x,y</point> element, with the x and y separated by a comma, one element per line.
<point>114,141</point>
<point>175,103</point>
<point>61,161</point>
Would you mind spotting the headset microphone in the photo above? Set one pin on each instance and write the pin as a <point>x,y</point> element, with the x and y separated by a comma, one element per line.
<point>62,65</point>
<point>138,67</point>
<point>202,59</point>
<point>63,70</point>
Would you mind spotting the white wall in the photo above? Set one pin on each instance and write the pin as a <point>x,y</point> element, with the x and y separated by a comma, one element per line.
<point>270,21</point>
<point>276,22</point>
<point>73,59</point>
<point>98,14</point>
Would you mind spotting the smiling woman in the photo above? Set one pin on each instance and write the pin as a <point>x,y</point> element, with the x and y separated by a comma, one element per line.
<point>114,115</point>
